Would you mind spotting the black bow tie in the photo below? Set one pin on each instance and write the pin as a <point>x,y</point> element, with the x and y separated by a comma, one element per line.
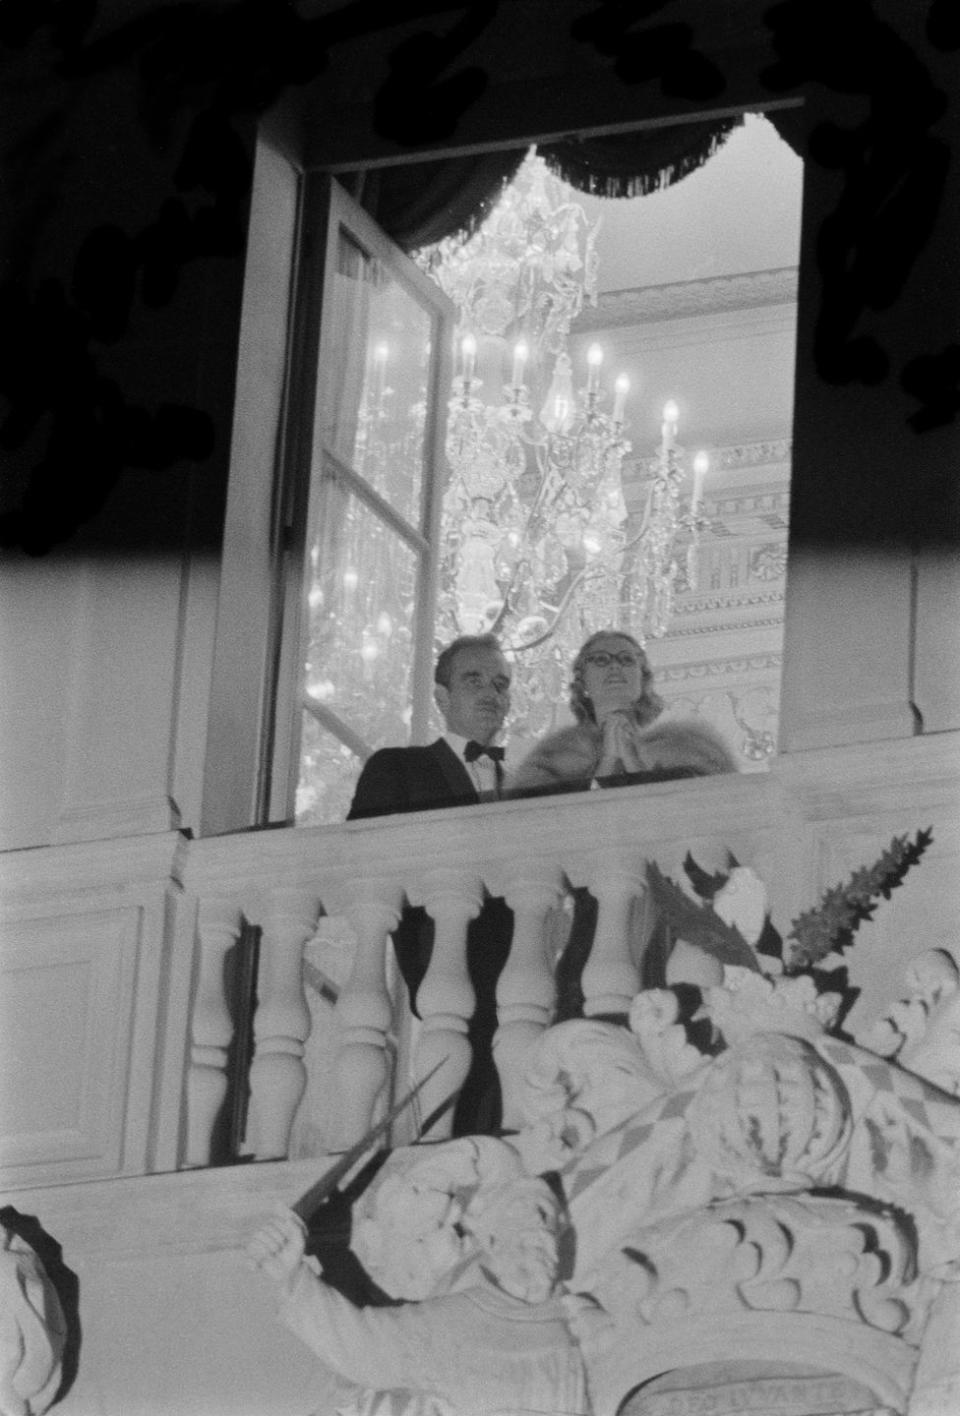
<point>473,750</point>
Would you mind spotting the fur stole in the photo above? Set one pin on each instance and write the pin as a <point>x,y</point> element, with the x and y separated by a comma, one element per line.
<point>568,759</point>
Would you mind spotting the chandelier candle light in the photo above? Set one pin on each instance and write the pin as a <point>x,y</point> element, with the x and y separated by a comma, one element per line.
<point>538,543</point>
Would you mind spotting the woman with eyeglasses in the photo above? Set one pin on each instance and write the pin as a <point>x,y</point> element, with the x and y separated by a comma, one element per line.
<point>618,737</point>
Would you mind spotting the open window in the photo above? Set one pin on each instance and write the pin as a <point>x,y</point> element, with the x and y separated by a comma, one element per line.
<point>364,480</point>
<point>328,593</point>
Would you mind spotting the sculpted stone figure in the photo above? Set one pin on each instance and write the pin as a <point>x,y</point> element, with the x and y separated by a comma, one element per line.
<point>503,1345</point>
<point>408,1227</point>
<point>739,1181</point>
<point>32,1330</point>
<point>584,1078</point>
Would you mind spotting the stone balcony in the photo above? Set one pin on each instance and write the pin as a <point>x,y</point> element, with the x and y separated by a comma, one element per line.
<point>791,825</point>
<point>141,931</point>
<point>528,852</point>
<point>130,1048</point>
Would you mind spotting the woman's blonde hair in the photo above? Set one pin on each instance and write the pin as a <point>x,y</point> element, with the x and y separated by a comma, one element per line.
<point>648,706</point>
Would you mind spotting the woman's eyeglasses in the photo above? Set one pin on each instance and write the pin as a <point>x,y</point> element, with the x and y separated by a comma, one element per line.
<point>603,660</point>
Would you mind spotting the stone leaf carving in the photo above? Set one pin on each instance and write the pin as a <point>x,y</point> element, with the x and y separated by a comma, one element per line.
<point>32,1330</point>
<point>767,1253</point>
<point>922,1029</point>
<point>742,902</point>
<point>830,1282</point>
<point>654,1020</point>
<point>748,1002</point>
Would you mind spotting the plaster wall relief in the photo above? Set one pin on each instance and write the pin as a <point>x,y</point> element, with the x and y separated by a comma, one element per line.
<point>727,1204</point>
<point>722,655</point>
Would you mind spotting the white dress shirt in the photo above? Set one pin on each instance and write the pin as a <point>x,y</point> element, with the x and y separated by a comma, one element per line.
<point>482,771</point>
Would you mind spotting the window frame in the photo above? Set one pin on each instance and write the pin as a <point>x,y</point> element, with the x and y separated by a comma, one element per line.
<point>309,469</point>
<point>241,781</point>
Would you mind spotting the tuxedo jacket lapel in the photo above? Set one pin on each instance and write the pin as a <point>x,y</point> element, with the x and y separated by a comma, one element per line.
<point>399,779</point>
<point>458,781</point>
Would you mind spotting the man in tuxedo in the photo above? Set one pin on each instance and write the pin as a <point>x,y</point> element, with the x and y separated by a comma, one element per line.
<point>472,691</point>
<point>462,768</point>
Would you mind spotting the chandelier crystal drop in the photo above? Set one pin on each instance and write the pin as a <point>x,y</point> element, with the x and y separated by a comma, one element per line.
<point>538,542</point>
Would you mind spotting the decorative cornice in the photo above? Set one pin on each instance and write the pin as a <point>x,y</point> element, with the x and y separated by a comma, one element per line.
<point>719,668</point>
<point>715,295</point>
<point>754,454</point>
<point>726,603</point>
<point>702,628</point>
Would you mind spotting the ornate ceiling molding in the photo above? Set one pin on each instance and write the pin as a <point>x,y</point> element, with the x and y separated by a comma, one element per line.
<point>739,625</point>
<point>717,294</point>
<point>733,667</point>
<point>758,454</point>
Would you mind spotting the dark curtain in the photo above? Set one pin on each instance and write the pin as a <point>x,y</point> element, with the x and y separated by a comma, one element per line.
<point>423,202</point>
<point>792,125</point>
<point>634,164</point>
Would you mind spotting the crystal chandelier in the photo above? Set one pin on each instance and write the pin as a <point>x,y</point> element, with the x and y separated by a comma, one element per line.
<point>539,545</point>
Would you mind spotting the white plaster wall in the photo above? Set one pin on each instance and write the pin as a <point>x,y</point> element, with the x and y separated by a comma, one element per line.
<point>36,623</point>
<point>173,1320</point>
<point>187,1335</point>
<point>104,684</point>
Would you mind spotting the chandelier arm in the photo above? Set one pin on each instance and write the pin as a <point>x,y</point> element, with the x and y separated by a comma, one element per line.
<point>645,523</point>
<point>501,613</point>
<point>635,541</point>
<point>561,611</point>
<point>534,508</point>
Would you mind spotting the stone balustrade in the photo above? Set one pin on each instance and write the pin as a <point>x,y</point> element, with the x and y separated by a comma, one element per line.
<point>531,853</point>
<point>126,964</point>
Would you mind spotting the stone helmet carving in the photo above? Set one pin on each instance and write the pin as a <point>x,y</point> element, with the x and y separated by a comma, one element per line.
<point>771,1113</point>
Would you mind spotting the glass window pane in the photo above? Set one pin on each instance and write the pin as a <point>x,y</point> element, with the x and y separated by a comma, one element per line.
<point>373,400</point>
<point>361,601</point>
<point>328,775</point>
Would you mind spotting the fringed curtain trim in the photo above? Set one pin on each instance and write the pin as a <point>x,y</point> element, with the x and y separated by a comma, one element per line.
<point>421,203</point>
<point>635,164</point>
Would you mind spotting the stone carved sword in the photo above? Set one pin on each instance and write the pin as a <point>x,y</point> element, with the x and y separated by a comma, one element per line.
<point>312,1198</point>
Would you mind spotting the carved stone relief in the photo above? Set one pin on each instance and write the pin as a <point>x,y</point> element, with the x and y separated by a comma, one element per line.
<point>33,1330</point>
<point>790,1193</point>
<point>723,1183</point>
<point>721,657</point>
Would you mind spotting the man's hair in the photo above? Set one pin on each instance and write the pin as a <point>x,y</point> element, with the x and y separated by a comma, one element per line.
<point>443,672</point>
<point>644,709</point>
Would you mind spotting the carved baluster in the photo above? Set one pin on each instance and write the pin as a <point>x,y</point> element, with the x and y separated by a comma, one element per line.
<point>364,1007</point>
<point>211,1028</point>
<point>525,989</point>
<point>611,978</point>
<point>445,999</point>
<point>281,1023</point>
